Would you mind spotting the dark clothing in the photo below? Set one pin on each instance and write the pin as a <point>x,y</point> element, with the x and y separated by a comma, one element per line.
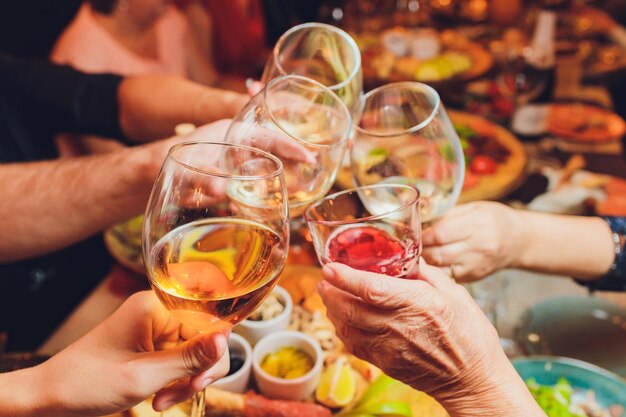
<point>615,279</point>
<point>38,100</point>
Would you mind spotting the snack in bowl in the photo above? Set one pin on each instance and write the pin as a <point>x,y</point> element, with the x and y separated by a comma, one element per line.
<point>287,363</point>
<point>298,388</point>
<point>272,316</point>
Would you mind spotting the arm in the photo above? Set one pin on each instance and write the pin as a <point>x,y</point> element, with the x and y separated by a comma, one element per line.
<point>566,245</point>
<point>53,204</point>
<point>140,108</point>
<point>483,237</point>
<point>128,357</point>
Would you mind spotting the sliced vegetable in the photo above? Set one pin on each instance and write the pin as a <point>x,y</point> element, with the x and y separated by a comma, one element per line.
<point>483,165</point>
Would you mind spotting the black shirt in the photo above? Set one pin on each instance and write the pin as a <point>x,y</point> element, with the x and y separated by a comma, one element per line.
<point>38,100</point>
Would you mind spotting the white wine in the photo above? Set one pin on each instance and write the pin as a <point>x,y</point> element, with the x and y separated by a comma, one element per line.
<point>213,273</point>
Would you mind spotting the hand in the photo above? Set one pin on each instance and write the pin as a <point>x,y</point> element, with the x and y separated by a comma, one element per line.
<point>133,354</point>
<point>428,333</point>
<point>473,240</point>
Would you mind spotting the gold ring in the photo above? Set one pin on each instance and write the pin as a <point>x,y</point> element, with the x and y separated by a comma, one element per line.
<point>452,271</point>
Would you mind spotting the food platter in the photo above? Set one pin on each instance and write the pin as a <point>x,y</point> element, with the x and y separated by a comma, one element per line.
<point>510,160</point>
<point>371,388</point>
<point>584,124</point>
<point>425,56</point>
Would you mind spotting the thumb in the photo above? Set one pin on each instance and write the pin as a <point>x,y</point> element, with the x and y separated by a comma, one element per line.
<point>187,359</point>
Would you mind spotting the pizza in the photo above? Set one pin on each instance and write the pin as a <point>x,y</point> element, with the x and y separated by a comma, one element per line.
<point>495,159</point>
<point>584,123</point>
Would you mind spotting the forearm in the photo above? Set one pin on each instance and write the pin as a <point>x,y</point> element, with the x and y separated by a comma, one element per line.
<point>565,245</point>
<point>151,106</point>
<point>53,204</point>
<point>23,394</point>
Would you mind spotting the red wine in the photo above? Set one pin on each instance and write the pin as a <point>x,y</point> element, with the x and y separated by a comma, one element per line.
<point>373,249</point>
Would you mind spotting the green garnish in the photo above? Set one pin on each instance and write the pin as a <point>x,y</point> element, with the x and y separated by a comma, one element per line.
<point>555,400</point>
<point>379,152</point>
<point>465,132</point>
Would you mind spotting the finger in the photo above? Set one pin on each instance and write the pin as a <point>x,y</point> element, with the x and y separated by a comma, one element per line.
<point>379,290</point>
<point>217,371</point>
<point>450,229</point>
<point>356,341</point>
<point>450,253</point>
<point>175,393</point>
<point>187,359</point>
<point>352,311</point>
<point>254,87</point>
<point>435,277</point>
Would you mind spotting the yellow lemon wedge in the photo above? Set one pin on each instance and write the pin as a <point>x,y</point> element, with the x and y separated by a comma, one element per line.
<point>337,386</point>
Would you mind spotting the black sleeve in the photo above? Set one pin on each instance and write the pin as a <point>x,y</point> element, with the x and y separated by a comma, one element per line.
<point>65,99</point>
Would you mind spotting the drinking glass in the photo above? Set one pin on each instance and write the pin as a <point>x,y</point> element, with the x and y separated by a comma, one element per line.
<point>322,52</point>
<point>305,125</point>
<point>215,234</point>
<point>404,136</point>
<point>374,228</point>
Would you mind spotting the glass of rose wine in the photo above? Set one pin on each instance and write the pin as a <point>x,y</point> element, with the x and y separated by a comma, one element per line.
<point>374,228</point>
<point>215,234</point>
<point>308,127</point>
<point>322,52</point>
<point>404,136</point>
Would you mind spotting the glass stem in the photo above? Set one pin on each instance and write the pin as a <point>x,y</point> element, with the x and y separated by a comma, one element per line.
<point>197,405</point>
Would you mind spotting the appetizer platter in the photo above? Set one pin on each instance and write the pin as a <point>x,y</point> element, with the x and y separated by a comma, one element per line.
<point>421,55</point>
<point>495,160</point>
<point>300,367</point>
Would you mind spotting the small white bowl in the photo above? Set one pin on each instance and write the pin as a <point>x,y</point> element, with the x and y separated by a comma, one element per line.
<point>237,382</point>
<point>253,331</point>
<point>295,389</point>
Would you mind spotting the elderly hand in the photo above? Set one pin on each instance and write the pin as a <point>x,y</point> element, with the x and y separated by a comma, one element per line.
<point>136,352</point>
<point>428,333</point>
<point>473,240</point>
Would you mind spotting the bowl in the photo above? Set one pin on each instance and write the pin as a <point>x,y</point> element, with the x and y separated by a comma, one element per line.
<point>295,389</point>
<point>609,388</point>
<point>238,381</point>
<point>253,330</point>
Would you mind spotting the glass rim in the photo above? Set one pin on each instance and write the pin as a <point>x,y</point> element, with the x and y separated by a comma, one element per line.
<point>276,172</point>
<point>400,85</point>
<point>307,217</point>
<point>327,90</point>
<point>343,34</point>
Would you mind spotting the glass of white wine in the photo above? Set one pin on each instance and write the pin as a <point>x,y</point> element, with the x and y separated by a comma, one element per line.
<point>404,136</point>
<point>215,234</point>
<point>322,52</point>
<point>309,129</point>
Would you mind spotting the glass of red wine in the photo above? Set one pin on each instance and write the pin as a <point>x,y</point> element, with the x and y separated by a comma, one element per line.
<point>375,228</point>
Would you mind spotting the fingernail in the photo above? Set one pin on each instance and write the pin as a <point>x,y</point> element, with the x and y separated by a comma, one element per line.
<point>167,404</point>
<point>249,82</point>
<point>328,272</point>
<point>206,381</point>
<point>321,287</point>
<point>220,344</point>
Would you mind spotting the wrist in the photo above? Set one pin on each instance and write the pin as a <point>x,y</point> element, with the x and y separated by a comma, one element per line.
<point>521,232</point>
<point>498,392</point>
<point>28,392</point>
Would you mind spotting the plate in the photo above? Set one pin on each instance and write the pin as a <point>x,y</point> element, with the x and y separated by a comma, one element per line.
<point>584,123</point>
<point>585,328</point>
<point>609,388</point>
<point>509,175</point>
<point>124,243</point>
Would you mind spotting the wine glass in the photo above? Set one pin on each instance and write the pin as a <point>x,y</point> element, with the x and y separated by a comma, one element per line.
<point>375,228</point>
<point>303,123</point>
<point>215,234</point>
<point>404,136</point>
<point>322,52</point>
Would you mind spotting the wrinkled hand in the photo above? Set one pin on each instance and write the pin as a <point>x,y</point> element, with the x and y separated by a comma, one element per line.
<point>136,352</point>
<point>477,238</point>
<point>428,333</point>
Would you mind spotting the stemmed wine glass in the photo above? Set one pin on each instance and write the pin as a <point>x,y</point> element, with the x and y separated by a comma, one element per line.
<point>404,136</point>
<point>375,228</point>
<point>321,52</point>
<point>307,127</point>
<point>215,234</point>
